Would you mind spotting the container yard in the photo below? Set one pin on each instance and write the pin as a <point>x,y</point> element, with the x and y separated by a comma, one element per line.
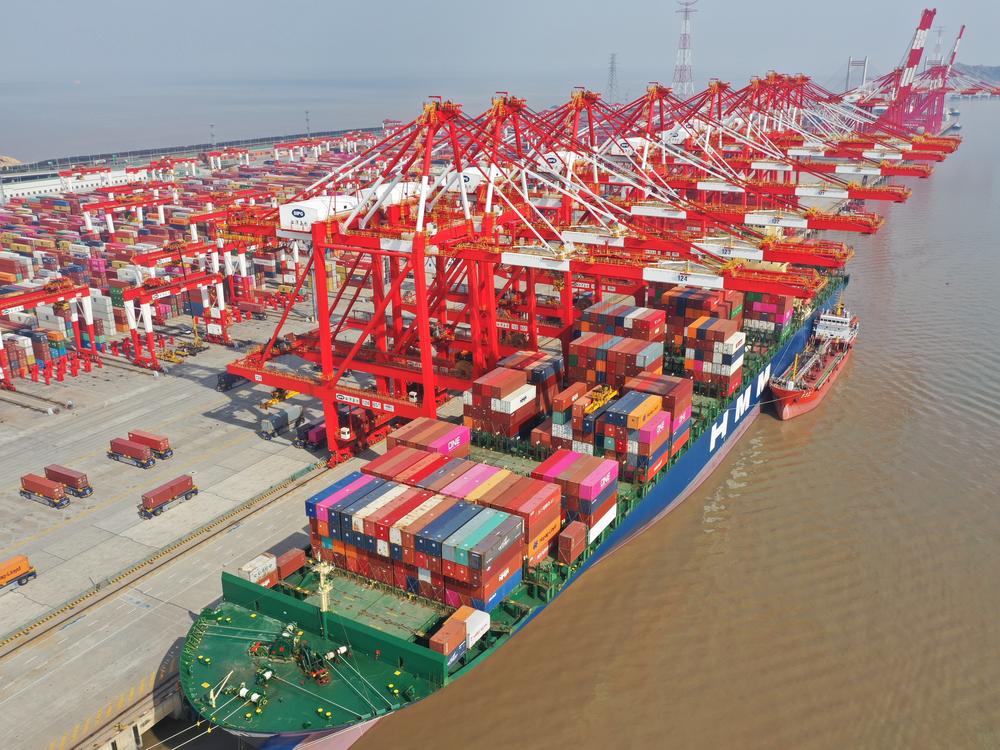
<point>478,352</point>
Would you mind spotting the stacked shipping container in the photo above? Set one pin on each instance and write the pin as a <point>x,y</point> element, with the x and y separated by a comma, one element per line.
<point>433,435</point>
<point>501,402</point>
<point>683,306</point>
<point>713,353</point>
<point>769,314</point>
<point>589,488</point>
<point>620,319</point>
<point>604,359</point>
<point>544,371</point>
<point>427,543</point>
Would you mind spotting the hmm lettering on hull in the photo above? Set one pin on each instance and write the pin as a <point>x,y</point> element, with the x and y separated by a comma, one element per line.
<point>740,406</point>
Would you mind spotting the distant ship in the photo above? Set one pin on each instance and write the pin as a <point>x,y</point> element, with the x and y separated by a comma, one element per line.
<point>801,387</point>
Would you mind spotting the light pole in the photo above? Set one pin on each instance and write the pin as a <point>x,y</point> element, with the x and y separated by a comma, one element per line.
<point>308,131</point>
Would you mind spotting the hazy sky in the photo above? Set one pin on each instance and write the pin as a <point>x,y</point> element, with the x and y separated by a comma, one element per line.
<point>76,76</point>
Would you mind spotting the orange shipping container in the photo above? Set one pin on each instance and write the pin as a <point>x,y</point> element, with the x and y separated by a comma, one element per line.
<point>14,568</point>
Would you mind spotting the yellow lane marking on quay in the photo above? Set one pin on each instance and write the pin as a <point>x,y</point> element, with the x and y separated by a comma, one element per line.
<point>136,693</point>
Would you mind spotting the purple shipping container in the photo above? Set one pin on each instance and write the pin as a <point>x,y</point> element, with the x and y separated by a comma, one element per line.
<point>322,507</point>
<point>451,441</point>
<point>560,466</point>
<point>317,434</point>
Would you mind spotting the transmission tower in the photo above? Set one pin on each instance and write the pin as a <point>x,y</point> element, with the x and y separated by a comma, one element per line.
<point>938,57</point>
<point>683,77</point>
<point>612,90</point>
<point>857,62</point>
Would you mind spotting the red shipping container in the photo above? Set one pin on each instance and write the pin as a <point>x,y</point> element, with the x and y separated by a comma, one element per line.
<point>71,478</point>
<point>131,449</point>
<point>290,562</point>
<point>156,442</point>
<point>44,487</point>
<point>167,491</point>
<point>571,542</point>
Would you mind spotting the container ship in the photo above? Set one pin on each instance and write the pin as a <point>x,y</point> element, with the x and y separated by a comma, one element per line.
<point>429,558</point>
<point>801,387</point>
<point>604,291</point>
<point>602,376</point>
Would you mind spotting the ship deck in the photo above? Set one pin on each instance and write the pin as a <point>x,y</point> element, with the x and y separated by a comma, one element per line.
<point>368,603</point>
<point>361,685</point>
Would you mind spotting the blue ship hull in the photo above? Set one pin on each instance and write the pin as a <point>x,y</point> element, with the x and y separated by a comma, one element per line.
<point>696,463</point>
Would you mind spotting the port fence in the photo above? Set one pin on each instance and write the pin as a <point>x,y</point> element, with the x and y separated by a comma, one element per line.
<point>13,639</point>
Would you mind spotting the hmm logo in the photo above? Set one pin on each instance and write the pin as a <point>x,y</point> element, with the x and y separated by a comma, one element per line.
<point>298,213</point>
<point>741,406</point>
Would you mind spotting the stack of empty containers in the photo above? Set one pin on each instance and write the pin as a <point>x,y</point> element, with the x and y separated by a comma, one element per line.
<point>768,314</point>
<point>433,435</point>
<point>676,396</point>
<point>604,359</point>
<point>589,488</point>
<point>501,402</point>
<point>427,543</point>
<point>544,372</point>
<point>713,354</point>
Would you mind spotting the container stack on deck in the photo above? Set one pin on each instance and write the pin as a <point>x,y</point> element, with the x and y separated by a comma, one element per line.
<point>544,371</point>
<point>677,396</point>
<point>432,435</point>
<point>769,314</point>
<point>713,354</point>
<point>426,543</point>
<point>606,359</point>
<point>501,402</point>
<point>683,306</point>
<point>589,488</point>
<point>620,319</point>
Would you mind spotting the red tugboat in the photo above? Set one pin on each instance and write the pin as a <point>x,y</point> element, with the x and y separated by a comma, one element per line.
<point>802,386</point>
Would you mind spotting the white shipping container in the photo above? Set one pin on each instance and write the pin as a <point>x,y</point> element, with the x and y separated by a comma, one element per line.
<point>358,519</point>
<point>562,431</point>
<point>595,531</point>
<point>477,624</point>
<point>514,401</point>
<point>259,568</point>
<point>382,547</point>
